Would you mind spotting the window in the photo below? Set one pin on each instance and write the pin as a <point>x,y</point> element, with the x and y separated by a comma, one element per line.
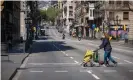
<point>125,15</point>
<point>70,13</point>
<point>111,15</point>
<point>10,18</point>
<point>82,20</point>
<point>111,2</point>
<point>70,7</point>
<point>126,3</point>
<point>118,2</point>
<point>93,12</point>
<point>90,12</point>
<point>87,10</point>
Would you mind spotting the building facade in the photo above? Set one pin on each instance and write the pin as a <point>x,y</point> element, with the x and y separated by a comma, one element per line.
<point>114,15</point>
<point>10,20</point>
<point>23,15</point>
<point>84,17</point>
<point>68,14</point>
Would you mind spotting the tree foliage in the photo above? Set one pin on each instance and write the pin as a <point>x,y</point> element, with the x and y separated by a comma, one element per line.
<point>50,14</point>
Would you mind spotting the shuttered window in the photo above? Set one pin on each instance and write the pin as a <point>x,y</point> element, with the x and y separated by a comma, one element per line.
<point>111,15</point>
<point>125,15</point>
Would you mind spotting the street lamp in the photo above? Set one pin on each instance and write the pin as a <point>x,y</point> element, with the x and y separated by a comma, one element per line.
<point>28,21</point>
<point>117,22</point>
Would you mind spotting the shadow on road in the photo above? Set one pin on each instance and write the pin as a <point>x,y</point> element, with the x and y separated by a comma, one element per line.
<point>47,46</point>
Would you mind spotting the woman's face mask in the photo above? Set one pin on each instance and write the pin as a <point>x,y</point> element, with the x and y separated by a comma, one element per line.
<point>103,36</point>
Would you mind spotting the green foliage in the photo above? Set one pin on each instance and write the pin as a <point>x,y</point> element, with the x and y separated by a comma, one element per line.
<point>50,14</point>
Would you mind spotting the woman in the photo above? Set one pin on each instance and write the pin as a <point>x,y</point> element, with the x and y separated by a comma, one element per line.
<point>107,49</point>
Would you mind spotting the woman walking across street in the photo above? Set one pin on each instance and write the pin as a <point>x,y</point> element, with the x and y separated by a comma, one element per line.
<point>107,49</point>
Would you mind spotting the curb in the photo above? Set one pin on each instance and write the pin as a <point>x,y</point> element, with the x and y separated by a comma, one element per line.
<point>16,70</point>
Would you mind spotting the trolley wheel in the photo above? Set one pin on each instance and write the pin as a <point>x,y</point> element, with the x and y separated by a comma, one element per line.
<point>85,65</point>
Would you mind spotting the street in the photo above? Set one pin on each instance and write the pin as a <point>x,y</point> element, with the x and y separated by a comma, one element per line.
<point>55,59</point>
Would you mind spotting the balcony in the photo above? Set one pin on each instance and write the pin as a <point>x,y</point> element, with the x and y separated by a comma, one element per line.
<point>116,6</point>
<point>71,16</point>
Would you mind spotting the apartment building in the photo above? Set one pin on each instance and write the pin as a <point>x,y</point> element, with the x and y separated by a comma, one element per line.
<point>10,20</point>
<point>84,17</point>
<point>116,14</point>
<point>68,14</point>
<point>23,14</point>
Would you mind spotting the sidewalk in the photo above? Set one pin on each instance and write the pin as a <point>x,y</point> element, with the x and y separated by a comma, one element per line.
<point>113,42</point>
<point>120,43</point>
<point>16,57</point>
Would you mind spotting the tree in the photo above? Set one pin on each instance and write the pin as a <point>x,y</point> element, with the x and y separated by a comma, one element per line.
<point>44,15</point>
<point>50,14</point>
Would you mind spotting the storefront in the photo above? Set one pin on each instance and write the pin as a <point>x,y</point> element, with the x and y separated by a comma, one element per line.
<point>118,31</point>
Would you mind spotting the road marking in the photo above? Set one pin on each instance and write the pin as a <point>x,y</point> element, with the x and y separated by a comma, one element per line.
<point>128,61</point>
<point>110,71</point>
<point>115,57</point>
<point>92,44</point>
<point>76,61</point>
<point>103,65</point>
<point>95,76</point>
<point>51,63</point>
<point>130,70</point>
<point>66,54</point>
<point>36,71</point>
<point>16,77</point>
<point>71,57</point>
<point>89,72</point>
<point>61,71</point>
<point>83,70</point>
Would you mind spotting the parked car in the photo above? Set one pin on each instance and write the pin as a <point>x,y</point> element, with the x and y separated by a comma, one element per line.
<point>43,32</point>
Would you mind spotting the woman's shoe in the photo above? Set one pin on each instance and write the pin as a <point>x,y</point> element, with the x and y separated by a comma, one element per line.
<point>115,64</point>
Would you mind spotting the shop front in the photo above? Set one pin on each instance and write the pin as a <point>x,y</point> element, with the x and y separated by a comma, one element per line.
<point>119,31</point>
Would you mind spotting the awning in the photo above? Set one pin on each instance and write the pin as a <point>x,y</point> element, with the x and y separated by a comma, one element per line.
<point>79,25</point>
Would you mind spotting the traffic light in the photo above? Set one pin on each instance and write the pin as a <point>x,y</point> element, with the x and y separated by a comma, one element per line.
<point>124,27</point>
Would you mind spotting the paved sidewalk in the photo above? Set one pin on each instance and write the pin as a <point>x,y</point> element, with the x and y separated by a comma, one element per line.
<point>113,42</point>
<point>120,43</point>
<point>16,57</point>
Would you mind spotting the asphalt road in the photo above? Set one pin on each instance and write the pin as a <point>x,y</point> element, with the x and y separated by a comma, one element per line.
<point>55,59</point>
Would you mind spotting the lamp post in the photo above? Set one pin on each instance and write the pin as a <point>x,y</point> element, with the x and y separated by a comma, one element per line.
<point>28,21</point>
<point>117,22</point>
<point>28,42</point>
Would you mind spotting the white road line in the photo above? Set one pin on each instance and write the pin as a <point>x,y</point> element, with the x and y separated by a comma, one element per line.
<point>107,71</point>
<point>92,44</point>
<point>61,71</point>
<point>115,57</point>
<point>103,65</point>
<point>71,57</point>
<point>128,61</point>
<point>66,54</point>
<point>130,70</point>
<point>60,50</point>
<point>95,76</point>
<point>36,71</point>
<point>76,61</point>
<point>89,72</point>
<point>16,77</point>
<point>51,63</point>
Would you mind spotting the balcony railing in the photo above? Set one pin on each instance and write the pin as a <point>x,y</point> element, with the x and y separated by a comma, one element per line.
<point>114,6</point>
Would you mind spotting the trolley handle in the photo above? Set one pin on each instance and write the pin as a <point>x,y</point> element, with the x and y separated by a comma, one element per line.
<point>96,50</point>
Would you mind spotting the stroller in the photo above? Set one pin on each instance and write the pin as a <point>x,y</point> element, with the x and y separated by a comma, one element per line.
<point>91,57</point>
